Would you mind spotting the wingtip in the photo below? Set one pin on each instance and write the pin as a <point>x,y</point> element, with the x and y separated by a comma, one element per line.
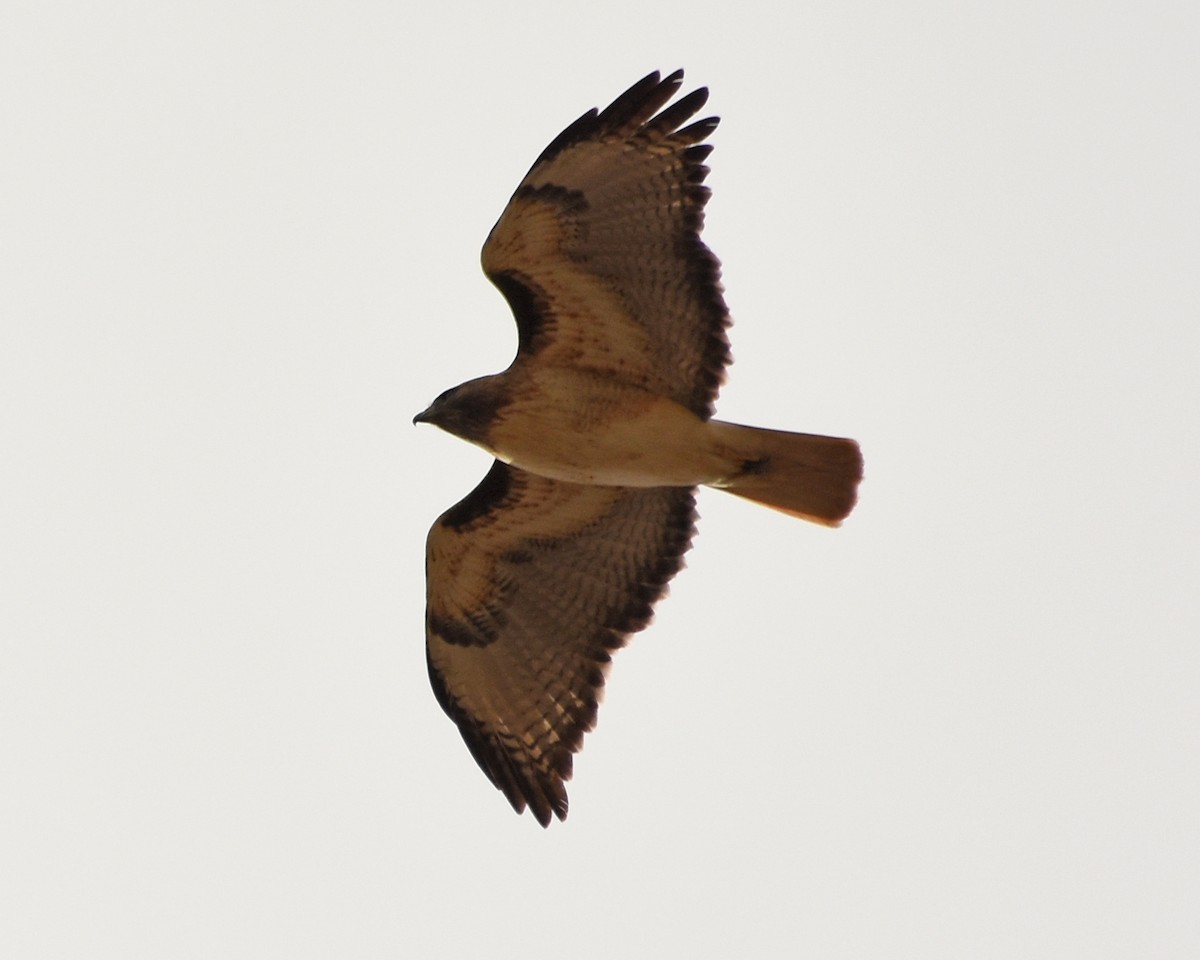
<point>543,805</point>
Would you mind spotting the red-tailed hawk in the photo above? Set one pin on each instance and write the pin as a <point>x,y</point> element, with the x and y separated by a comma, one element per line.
<point>601,432</point>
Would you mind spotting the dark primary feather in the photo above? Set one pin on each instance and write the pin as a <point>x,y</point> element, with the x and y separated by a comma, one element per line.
<point>599,252</point>
<point>639,101</point>
<point>522,622</point>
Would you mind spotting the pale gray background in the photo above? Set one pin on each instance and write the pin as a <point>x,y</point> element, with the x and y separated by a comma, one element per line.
<point>240,250</point>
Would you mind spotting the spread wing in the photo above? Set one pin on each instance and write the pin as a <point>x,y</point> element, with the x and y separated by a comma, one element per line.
<point>532,583</point>
<point>599,253</point>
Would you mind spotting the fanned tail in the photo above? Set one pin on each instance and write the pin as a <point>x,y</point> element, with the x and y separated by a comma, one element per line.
<point>802,474</point>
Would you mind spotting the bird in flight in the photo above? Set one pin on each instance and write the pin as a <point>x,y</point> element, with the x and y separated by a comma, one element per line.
<point>601,429</point>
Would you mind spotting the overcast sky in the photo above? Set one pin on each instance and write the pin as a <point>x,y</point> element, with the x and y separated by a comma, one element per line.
<point>239,250</point>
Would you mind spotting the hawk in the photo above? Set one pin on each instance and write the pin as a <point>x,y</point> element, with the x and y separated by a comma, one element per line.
<point>601,429</point>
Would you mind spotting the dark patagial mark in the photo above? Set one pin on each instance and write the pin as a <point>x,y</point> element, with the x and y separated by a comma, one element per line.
<point>492,491</point>
<point>460,633</point>
<point>569,201</point>
<point>530,306</point>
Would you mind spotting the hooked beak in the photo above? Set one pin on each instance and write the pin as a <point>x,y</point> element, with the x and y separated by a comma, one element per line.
<point>422,417</point>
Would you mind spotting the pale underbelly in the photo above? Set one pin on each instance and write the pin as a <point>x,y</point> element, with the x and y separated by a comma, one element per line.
<point>654,444</point>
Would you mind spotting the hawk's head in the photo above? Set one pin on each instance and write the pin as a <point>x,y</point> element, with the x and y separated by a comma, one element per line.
<point>468,410</point>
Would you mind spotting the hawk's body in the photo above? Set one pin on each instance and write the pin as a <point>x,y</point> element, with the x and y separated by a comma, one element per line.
<point>584,427</point>
<point>602,430</point>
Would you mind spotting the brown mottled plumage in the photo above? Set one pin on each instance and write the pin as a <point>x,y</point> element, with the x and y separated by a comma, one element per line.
<point>602,430</point>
